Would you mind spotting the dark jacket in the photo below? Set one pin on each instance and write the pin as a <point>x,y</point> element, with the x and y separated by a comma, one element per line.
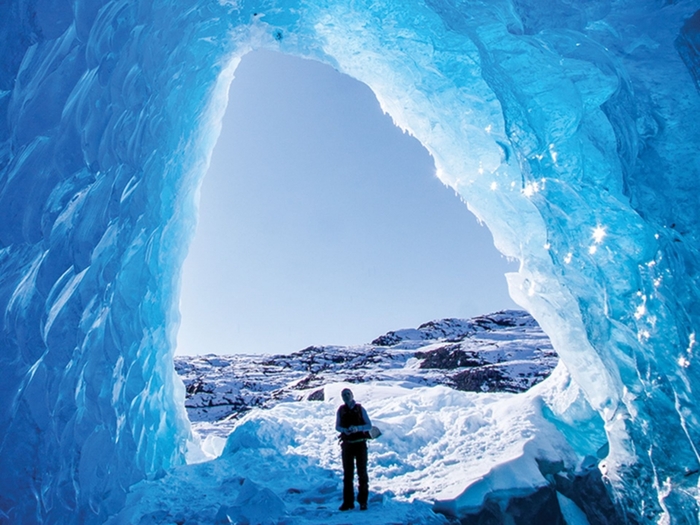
<point>353,417</point>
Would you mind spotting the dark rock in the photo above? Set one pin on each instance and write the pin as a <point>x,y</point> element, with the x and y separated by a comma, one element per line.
<point>481,380</point>
<point>199,387</point>
<point>447,358</point>
<point>450,329</point>
<point>317,395</point>
<point>389,339</point>
<point>305,383</point>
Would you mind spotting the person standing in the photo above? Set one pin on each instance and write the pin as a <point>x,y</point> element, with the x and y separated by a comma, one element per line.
<point>354,425</point>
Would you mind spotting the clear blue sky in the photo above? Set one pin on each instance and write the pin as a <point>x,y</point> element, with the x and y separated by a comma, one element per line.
<point>322,223</point>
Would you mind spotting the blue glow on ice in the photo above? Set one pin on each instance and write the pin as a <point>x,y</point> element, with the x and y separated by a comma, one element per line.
<point>571,130</point>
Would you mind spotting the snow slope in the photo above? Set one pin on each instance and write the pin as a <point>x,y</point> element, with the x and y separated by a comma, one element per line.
<point>441,450</point>
<point>445,451</point>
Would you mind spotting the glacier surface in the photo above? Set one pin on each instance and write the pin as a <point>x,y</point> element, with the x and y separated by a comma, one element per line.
<point>570,128</point>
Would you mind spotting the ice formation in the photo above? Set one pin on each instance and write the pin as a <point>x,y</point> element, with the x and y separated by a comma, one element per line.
<point>569,127</point>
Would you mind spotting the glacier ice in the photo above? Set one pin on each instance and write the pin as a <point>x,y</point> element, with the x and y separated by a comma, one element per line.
<point>569,128</point>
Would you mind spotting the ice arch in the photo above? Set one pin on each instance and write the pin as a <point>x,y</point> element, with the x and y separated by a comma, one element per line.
<point>571,130</point>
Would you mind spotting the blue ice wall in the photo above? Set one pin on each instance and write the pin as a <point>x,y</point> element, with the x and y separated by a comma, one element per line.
<point>570,128</point>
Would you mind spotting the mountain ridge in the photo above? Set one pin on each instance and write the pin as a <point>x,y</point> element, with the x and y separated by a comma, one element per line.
<point>504,351</point>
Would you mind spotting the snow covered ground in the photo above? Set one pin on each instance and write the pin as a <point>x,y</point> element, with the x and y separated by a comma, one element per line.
<point>443,453</point>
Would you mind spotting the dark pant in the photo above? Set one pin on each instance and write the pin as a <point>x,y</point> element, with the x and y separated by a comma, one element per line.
<point>353,452</point>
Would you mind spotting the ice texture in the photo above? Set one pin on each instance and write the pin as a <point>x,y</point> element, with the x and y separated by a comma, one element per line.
<point>570,128</point>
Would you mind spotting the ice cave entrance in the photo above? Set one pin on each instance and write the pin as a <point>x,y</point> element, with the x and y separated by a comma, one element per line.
<point>554,123</point>
<point>321,222</point>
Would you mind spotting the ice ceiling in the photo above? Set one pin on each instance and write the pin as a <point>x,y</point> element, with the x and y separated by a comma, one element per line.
<point>571,128</point>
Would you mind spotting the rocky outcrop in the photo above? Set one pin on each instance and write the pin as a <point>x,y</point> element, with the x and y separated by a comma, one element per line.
<point>504,352</point>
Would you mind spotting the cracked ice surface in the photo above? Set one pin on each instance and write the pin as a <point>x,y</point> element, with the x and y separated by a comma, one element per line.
<point>570,129</point>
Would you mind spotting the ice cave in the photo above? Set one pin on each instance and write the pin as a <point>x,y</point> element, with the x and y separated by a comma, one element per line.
<point>568,127</point>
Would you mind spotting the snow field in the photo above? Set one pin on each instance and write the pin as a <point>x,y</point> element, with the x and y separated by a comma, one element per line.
<point>442,446</point>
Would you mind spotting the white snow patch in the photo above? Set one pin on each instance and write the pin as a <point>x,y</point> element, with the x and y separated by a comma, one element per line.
<point>282,465</point>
